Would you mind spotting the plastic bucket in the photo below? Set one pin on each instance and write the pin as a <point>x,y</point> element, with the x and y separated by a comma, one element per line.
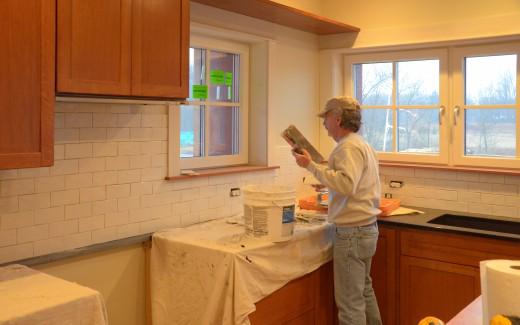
<point>269,211</point>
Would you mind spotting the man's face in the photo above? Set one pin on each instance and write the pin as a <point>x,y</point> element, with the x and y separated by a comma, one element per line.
<point>331,123</point>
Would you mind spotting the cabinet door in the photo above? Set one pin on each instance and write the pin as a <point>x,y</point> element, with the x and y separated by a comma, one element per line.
<point>26,83</point>
<point>160,45</point>
<point>433,288</point>
<point>384,276</point>
<point>94,47</point>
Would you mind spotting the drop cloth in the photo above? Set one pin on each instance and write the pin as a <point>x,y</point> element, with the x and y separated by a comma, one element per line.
<point>212,274</point>
<point>31,297</point>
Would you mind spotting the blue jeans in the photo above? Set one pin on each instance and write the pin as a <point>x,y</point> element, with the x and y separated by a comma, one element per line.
<point>355,298</point>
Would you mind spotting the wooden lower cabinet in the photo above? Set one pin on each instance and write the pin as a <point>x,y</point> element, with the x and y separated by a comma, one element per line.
<point>383,273</point>
<point>439,272</point>
<point>434,288</point>
<point>415,273</point>
<point>304,301</point>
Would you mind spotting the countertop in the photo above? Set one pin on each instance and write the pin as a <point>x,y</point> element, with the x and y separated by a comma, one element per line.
<point>420,221</point>
<point>470,315</point>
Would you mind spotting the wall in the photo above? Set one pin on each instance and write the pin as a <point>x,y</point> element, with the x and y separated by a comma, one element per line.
<point>118,274</point>
<point>402,22</point>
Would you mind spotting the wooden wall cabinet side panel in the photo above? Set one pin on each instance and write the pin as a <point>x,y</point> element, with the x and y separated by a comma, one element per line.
<point>433,288</point>
<point>160,45</point>
<point>384,274</point>
<point>93,47</point>
<point>27,31</point>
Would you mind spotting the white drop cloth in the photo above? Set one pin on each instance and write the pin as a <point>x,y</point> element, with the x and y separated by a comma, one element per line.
<point>212,274</point>
<point>31,297</point>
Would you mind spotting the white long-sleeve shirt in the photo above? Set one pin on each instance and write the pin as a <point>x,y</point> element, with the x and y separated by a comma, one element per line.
<point>352,177</point>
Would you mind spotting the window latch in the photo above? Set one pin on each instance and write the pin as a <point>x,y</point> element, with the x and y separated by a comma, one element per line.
<point>455,114</point>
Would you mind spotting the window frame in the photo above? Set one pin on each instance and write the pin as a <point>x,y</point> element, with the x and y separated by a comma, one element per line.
<point>393,57</point>
<point>177,164</point>
<point>458,56</point>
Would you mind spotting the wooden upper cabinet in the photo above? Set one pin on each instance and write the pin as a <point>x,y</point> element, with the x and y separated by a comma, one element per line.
<point>27,31</point>
<point>94,47</point>
<point>160,43</point>
<point>123,47</point>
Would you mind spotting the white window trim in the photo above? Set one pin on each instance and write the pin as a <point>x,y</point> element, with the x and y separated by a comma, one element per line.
<point>457,58</point>
<point>442,55</point>
<point>206,161</point>
<point>259,102</point>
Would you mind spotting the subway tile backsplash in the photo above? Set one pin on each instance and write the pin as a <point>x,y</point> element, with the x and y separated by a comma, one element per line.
<point>108,183</point>
<point>458,191</point>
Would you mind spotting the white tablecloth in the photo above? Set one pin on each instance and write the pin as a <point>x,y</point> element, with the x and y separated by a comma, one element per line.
<point>212,274</point>
<point>31,297</point>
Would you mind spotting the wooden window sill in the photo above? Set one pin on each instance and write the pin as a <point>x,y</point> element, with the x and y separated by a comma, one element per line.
<point>222,171</point>
<point>453,168</point>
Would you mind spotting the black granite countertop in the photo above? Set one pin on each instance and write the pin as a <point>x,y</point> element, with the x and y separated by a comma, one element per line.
<point>420,221</point>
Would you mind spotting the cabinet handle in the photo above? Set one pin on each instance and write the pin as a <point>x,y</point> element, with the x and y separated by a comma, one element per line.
<point>456,110</point>
<point>441,113</point>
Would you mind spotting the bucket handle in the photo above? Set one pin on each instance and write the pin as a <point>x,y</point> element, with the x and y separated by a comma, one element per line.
<point>279,206</point>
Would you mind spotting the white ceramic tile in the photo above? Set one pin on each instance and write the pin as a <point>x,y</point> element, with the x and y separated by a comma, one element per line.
<point>88,165</point>
<point>16,187</point>
<point>33,233</point>
<point>34,201</point>
<point>105,149</point>
<point>76,211</point>
<point>7,237</point>
<point>97,193</point>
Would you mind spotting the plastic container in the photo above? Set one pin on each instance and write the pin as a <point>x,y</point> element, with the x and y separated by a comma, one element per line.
<point>269,211</point>
<point>388,205</point>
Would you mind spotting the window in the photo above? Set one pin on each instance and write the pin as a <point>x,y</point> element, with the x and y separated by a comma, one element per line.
<point>403,98</point>
<point>416,110</point>
<point>212,124</point>
<point>486,105</point>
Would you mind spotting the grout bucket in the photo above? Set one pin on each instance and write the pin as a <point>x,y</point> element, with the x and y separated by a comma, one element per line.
<point>269,211</point>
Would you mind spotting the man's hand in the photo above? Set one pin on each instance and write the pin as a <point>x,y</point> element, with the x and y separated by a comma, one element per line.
<point>303,159</point>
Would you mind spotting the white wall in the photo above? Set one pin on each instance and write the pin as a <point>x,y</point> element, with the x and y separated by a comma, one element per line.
<point>401,21</point>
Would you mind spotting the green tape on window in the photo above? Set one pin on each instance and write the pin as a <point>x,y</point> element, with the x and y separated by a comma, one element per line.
<point>229,78</point>
<point>216,77</point>
<point>200,91</point>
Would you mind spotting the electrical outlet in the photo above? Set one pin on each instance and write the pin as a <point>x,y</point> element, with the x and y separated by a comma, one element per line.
<point>235,191</point>
<point>388,195</point>
<point>396,184</point>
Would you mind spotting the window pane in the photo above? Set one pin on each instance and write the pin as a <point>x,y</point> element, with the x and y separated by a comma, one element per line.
<point>197,68</point>
<point>418,82</point>
<point>223,130</point>
<point>377,128</point>
<point>418,130</point>
<point>224,77</point>
<point>191,131</point>
<point>373,83</point>
<point>491,80</point>
<point>490,132</point>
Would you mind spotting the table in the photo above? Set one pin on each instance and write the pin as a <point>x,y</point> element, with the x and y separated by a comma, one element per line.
<point>30,297</point>
<point>212,273</point>
<point>471,315</point>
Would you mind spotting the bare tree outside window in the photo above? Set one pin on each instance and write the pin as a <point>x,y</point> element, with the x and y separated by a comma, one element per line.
<point>490,131</point>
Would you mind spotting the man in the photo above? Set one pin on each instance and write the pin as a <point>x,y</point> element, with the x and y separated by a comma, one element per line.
<point>352,177</point>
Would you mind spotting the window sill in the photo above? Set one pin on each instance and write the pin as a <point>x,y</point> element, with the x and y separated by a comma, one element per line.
<point>222,171</point>
<point>453,168</point>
